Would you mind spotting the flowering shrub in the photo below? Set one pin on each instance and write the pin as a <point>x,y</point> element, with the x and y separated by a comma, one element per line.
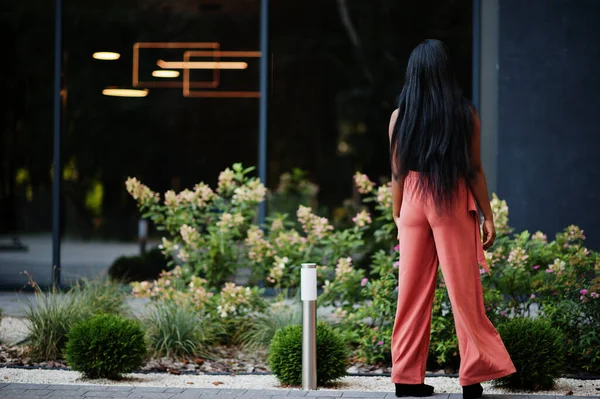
<point>207,226</point>
<point>212,234</point>
<point>293,190</point>
<point>281,251</point>
<point>230,306</point>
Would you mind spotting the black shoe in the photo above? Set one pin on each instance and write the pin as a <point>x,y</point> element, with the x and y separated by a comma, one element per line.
<point>415,390</point>
<point>472,391</point>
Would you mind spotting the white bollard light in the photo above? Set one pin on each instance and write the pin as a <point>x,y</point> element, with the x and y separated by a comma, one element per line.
<point>308,295</point>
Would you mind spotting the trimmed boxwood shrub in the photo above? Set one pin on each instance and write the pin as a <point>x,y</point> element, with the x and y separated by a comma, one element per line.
<point>537,350</point>
<point>285,355</point>
<point>105,346</point>
<point>148,266</point>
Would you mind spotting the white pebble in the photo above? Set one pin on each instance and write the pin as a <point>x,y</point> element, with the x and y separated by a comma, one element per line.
<point>366,384</point>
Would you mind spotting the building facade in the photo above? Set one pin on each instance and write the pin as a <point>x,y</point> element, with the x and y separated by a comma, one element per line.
<point>539,96</point>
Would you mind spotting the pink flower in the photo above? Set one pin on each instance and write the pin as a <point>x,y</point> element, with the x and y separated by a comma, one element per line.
<point>481,270</point>
<point>532,296</point>
<point>397,247</point>
<point>380,343</point>
<point>396,264</point>
<point>583,292</point>
<point>594,295</point>
<point>488,309</point>
<point>535,267</point>
<point>503,313</point>
<point>364,282</point>
<point>549,271</point>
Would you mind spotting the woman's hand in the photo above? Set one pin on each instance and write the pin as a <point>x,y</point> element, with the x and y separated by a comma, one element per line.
<point>489,233</point>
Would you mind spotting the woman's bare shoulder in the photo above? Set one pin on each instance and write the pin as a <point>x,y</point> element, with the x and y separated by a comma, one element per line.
<point>393,120</point>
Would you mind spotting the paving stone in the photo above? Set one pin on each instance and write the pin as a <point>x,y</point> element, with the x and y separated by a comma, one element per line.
<point>115,394</point>
<point>64,387</point>
<point>151,395</point>
<point>96,394</point>
<point>37,392</point>
<point>22,396</point>
<point>236,392</point>
<point>350,394</point>
<point>187,395</point>
<point>65,392</point>
<point>120,388</point>
<point>220,396</point>
<point>12,391</point>
<point>175,390</point>
<point>266,392</point>
<point>30,386</point>
<point>282,397</point>
<point>297,392</point>
<point>206,391</point>
<point>320,394</point>
<point>148,389</point>
<point>89,388</point>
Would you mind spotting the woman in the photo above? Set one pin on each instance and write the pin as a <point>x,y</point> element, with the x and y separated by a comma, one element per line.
<point>436,178</point>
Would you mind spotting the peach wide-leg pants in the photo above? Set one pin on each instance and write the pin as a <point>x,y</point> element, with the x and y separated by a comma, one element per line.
<point>453,241</point>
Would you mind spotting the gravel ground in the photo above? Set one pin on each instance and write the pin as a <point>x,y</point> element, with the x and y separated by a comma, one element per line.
<point>364,384</point>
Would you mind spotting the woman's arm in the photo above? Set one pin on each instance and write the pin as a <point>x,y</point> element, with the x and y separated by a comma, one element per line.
<point>398,182</point>
<point>478,185</point>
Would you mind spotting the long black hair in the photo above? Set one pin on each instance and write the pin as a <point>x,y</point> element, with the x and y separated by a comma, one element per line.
<point>434,126</point>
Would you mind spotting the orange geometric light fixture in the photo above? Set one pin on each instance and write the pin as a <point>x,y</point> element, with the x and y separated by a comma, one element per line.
<point>165,73</point>
<point>106,55</point>
<point>205,56</point>
<point>202,64</point>
<point>117,92</point>
<point>209,47</point>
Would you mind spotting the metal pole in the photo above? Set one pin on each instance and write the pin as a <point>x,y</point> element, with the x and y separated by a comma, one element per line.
<point>476,53</point>
<point>263,105</point>
<point>308,290</point>
<point>57,164</point>
<point>143,235</point>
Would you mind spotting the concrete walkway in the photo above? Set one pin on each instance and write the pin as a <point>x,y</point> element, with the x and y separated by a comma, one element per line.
<point>25,391</point>
<point>79,259</point>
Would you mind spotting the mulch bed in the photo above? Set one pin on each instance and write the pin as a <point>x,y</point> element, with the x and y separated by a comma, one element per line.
<point>222,360</point>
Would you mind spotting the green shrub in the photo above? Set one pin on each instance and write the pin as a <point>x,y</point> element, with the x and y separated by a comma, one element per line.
<point>99,296</point>
<point>105,346</point>
<point>148,266</point>
<point>176,330</point>
<point>285,355</point>
<point>582,343</point>
<point>537,350</point>
<point>259,330</point>
<point>50,318</point>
